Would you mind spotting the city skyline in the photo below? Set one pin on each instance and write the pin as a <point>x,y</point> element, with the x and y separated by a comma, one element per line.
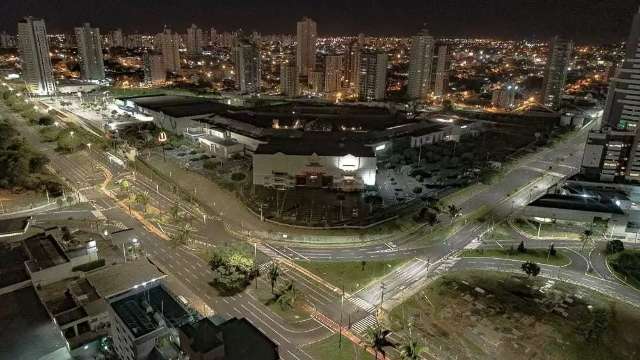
<point>606,21</point>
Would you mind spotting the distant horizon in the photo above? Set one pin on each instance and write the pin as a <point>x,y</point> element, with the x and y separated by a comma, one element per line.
<point>584,21</point>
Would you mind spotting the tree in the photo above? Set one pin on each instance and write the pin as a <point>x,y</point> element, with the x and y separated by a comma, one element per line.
<point>431,218</point>
<point>615,246</point>
<point>453,211</point>
<point>233,269</point>
<point>410,349</point>
<point>37,163</point>
<point>142,199</point>
<point>377,339</point>
<point>521,248</point>
<point>182,236</point>
<point>530,268</point>
<point>274,274</point>
<point>124,185</point>
<point>585,237</point>
<point>175,213</point>
<point>434,204</point>
<point>552,250</point>
<point>67,236</point>
<point>363,263</point>
<point>287,296</point>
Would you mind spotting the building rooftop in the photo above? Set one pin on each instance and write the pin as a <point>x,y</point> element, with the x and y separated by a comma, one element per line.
<point>319,145</point>
<point>14,226</point>
<point>116,279</point>
<point>578,203</point>
<point>27,331</point>
<point>147,309</point>
<point>178,106</point>
<point>240,338</point>
<point>44,252</point>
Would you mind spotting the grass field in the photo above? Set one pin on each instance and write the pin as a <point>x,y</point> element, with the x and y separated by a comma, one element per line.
<point>353,275</point>
<point>626,264</point>
<point>536,255</point>
<point>328,349</point>
<point>489,315</point>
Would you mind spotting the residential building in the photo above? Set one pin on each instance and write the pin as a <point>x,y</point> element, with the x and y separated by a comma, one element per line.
<point>420,66</point>
<point>613,154</point>
<point>606,155</point>
<point>555,73</point>
<point>169,45</point>
<point>333,73</point>
<point>289,79</point>
<point>154,69</point>
<point>214,37</point>
<point>316,81</point>
<point>37,71</point>
<point>195,40</point>
<point>117,39</point>
<point>90,53</point>
<point>441,65</point>
<point>306,46</point>
<point>7,41</point>
<point>372,76</point>
<point>143,319</point>
<point>352,65</point>
<point>504,96</point>
<point>247,65</point>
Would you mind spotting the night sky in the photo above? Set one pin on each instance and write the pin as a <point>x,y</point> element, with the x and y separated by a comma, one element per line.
<point>582,20</point>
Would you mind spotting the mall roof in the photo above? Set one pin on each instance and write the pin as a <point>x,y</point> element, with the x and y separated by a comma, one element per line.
<point>178,106</point>
<point>319,145</point>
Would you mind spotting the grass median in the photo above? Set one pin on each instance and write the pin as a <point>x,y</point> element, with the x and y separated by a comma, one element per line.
<point>352,275</point>
<point>540,256</point>
<point>330,349</point>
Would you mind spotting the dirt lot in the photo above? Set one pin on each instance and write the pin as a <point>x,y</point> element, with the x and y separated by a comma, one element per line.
<point>500,316</point>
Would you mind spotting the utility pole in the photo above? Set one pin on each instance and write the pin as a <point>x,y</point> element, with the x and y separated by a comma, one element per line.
<point>341,312</point>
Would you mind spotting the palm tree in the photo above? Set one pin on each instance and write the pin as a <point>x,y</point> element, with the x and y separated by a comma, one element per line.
<point>411,349</point>
<point>175,213</point>
<point>274,274</point>
<point>585,237</point>
<point>453,211</point>
<point>287,296</point>
<point>142,199</point>
<point>377,339</point>
<point>182,236</point>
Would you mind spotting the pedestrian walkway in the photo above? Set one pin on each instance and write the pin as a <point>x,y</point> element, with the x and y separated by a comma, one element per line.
<point>361,326</point>
<point>362,304</point>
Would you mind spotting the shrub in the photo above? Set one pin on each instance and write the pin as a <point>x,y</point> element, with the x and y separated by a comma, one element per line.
<point>615,246</point>
<point>210,164</point>
<point>45,120</point>
<point>238,176</point>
